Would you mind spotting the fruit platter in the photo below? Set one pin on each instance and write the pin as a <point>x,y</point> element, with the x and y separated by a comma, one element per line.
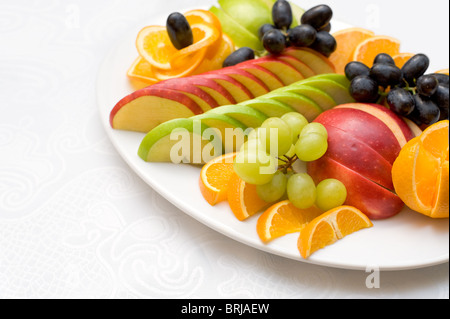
<point>288,131</point>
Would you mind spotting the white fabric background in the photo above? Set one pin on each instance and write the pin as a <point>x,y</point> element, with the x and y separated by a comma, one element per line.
<point>76,222</point>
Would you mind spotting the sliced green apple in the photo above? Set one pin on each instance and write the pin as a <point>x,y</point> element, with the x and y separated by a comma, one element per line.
<point>338,93</point>
<point>339,78</point>
<point>145,109</point>
<point>251,14</point>
<point>240,35</point>
<point>269,107</point>
<point>246,115</point>
<point>325,101</point>
<point>299,103</point>
<point>180,141</point>
<point>225,126</point>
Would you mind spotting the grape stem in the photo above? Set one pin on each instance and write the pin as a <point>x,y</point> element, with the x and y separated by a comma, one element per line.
<point>289,163</point>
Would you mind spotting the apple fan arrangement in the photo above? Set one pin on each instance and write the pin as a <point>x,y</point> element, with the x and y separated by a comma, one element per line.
<point>353,120</point>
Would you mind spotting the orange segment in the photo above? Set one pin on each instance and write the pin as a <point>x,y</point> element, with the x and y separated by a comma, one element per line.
<point>282,219</point>
<point>154,45</point>
<point>199,16</point>
<point>204,36</point>
<point>420,173</point>
<point>214,178</point>
<point>367,50</point>
<point>444,71</point>
<point>401,59</point>
<point>214,58</point>
<point>347,40</point>
<point>140,74</point>
<point>330,227</point>
<point>191,64</point>
<point>243,198</point>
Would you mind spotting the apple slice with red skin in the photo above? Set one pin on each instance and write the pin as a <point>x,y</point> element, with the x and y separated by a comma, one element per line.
<point>203,99</point>
<point>283,70</point>
<point>216,91</point>
<point>372,199</point>
<point>301,67</point>
<point>143,110</point>
<point>239,92</point>
<point>251,82</point>
<point>272,81</point>
<point>317,62</point>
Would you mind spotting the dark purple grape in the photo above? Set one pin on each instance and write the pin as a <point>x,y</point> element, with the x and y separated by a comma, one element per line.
<point>302,36</point>
<point>441,98</point>
<point>426,111</point>
<point>415,68</point>
<point>326,28</point>
<point>384,58</point>
<point>401,101</point>
<point>282,14</point>
<point>264,29</point>
<point>274,41</point>
<point>325,43</point>
<point>442,78</point>
<point>238,56</point>
<point>317,17</point>
<point>427,85</point>
<point>364,89</point>
<point>386,74</point>
<point>355,68</point>
<point>179,30</point>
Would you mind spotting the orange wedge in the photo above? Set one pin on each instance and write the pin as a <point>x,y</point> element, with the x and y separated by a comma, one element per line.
<point>154,45</point>
<point>401,58</point>
<point>330,227</point>
<point>243,198</point>
<point>140,74</point>
<point>215,61</point>
<point>444,71</point>
<point>191,64</point>
<point>214,178</point>
<point>420,173</point>
<point>367,50</point>
<point>199,16</point>
<point>282,219</point>
<point>347,40</point>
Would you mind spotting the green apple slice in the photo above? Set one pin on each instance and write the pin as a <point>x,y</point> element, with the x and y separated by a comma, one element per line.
<point>269,107</point>
<point>225,126</point>
<point>248,116</point>
<point>325,101</point>
<point>240,35</point>
<point>301,104</point>
<point>339,78</point>
<point>175,141</point>
<point>338,92</point>
<point>251,14</point>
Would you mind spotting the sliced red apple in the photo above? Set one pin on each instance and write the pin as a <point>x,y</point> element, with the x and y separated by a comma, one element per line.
<point>145,109</point>
<point>301,67</point>
<point>317,62</point>
<point>251,82</point>
<point>272,81</point>
<point>239,92</point>
<point>372,199</point>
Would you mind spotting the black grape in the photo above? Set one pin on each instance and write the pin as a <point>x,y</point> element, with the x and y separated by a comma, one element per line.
<point>241,55</point>
<point>401,101</point>
<point>427,85</point>
<point>355,68</point>
<point>282,14</point>
<point>386,74</point>
<point>384,58</point>
<point>364,89</point>
<point>274,41</point>
<point>317,17</point>
<point>179,30</point>
<point>415,68</point>
<point>426,111</point>
<point>325,43</point>
<point>302,36</point>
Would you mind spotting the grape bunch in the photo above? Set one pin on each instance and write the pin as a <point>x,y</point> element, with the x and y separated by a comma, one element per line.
<point>313,32</point>
<point>267,160</point>
<point>409,92</point>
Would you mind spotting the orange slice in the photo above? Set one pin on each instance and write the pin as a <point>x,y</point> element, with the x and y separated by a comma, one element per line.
<point>347,40</point>
<point>199,16</point>
<point>204,36</point>
<point>192,62</point>
<point>214,178</point>
<point>330,227</point>
<point>154,45</point>
<point>140,74</point>
<point>401,58</point>
<point>367,50</point>
<point>214,58</point>
<point>243,198</point>
<point>282,219</point>
<point>420,173</point>
<point>444,71</point>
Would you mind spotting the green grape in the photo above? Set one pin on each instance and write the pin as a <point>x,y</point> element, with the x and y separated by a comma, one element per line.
<point>275,130</point>
<point>254,145</point>
<point>314,128</point>
<point>274,190</point>
<point>311,147</point>
<point>302,191</point>
<point>296,122</point>
<point>256,168</point>
<point>331,193</point>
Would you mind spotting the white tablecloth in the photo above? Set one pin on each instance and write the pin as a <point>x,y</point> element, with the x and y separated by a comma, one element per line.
<point>75,220</point>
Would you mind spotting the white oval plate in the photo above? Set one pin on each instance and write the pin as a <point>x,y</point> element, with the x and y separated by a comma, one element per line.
<point>407,241</point>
